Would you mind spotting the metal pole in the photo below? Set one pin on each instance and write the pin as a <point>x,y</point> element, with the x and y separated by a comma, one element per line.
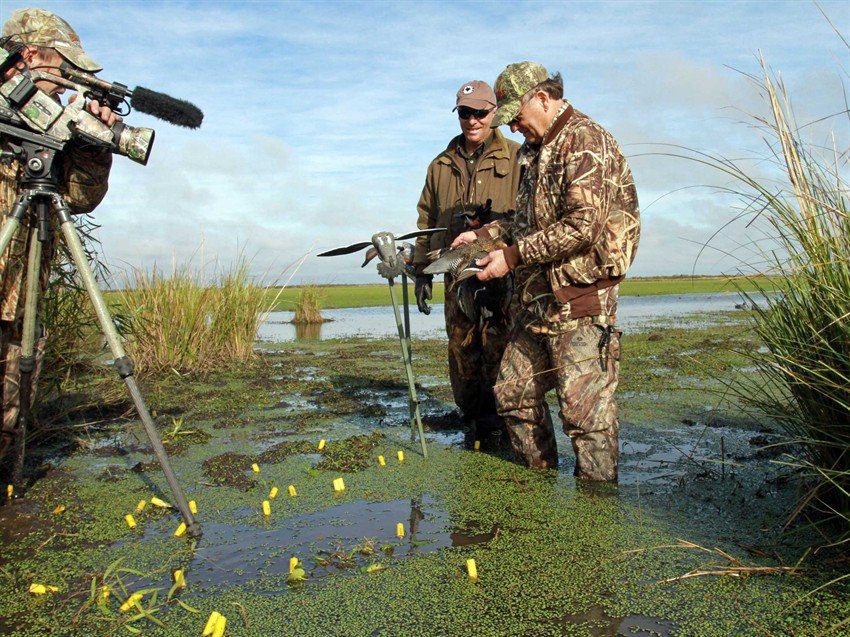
<point>123,363</point>
<point>408,368</point>
<point>408,346</point>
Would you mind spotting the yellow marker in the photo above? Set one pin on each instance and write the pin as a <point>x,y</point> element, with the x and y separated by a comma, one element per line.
<point>193,506</point>
<point>41,589</point>
<point>273,493</point>
<point>321,444</point>
<point>160,503</point>
<point>292,491</point>
<point>255,468</point>
<point>104,593</point>
<point>131,522</point>
<point>477,445</point>
<point>267,509</point>
<point>141,506</point>
<point>339,485</point>
<point>293,562</point>
<point>400,455</point>
<point>399,529</point>
<point>180,530</point>
<point>472,570</point>
<point>59,509</point>
<point>219,626</point>
<point>381,461</point>
<point>130,602</point>
<point>211,623</point>
<point>10,489</point>
<point>179,578</point>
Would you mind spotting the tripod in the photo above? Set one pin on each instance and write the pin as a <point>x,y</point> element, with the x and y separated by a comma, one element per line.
<point>40,200</point>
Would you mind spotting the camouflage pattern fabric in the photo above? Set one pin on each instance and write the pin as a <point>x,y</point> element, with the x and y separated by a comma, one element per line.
<point>512,84</point>
<point>38,27</point>
<point>83,185</point>
<point>584,376</point>
<point>475,351</point>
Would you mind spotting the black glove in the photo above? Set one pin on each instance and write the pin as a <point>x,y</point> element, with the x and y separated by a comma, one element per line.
<point>423,292</point>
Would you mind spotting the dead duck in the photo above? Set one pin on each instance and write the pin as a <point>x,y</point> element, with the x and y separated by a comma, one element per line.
<point>459,262</point>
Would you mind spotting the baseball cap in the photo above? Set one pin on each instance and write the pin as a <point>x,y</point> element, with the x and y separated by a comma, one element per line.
<point>475,94</point>
<point>515,81</point>
<point>44,28</point>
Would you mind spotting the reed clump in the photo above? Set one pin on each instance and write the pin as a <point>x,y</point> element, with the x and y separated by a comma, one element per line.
<point>804,320</point>
<point>308,307</point>
<point>183,322</point>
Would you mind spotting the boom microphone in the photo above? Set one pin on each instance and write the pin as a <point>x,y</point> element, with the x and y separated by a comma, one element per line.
<point>167,108</point>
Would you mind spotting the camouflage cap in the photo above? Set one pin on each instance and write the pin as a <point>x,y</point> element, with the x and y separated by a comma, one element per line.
<point>44,28</point>
<point>514,82</point>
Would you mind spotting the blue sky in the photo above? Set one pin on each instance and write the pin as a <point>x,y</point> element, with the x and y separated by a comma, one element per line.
<point>321,118</point>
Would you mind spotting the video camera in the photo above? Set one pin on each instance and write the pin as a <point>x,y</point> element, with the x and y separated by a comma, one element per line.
<point>24,106</point>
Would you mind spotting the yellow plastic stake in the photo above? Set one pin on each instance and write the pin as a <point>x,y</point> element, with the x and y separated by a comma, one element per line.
<point>179,578</point>
<point>381,461</point>
<point>339,485</point>
<point>292,491</point>
<point>211,623</point>
<point>472,570</point>
<point>41,589</point>
<point>273,493</point>
<point>321,444</point>
<point>219,626</point>
<point>130,520</point>
<point>141,506</point>
<point>59,509</point>
<point>160,503</point>
<point>477,445</point>
<point>293,562</point>
<point>131,602</point>
<point>180,530</point>
<point>267,509</point>
<point>193,506</point>
<point>400,455</point>
<point>255,468</point>
<point>399,529</point>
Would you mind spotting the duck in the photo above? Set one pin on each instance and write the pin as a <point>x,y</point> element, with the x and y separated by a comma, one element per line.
<point>459,262</point>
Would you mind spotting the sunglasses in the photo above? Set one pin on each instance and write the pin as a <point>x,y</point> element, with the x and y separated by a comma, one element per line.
<point>464,112</point>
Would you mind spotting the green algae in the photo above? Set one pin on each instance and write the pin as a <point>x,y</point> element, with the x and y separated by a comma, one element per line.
<point>558,558</point>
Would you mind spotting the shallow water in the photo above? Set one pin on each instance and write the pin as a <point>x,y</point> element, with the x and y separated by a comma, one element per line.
<point>636,313</point>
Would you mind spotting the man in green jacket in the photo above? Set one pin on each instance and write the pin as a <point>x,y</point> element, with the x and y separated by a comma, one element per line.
<point>573,237</point>
<point>477,167</point>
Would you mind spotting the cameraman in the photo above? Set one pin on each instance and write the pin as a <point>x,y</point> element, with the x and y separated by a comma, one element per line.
<point>45,41</point>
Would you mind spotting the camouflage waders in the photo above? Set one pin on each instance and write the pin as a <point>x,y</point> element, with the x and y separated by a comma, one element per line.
<point>475,352</point>
<point>582,365</point>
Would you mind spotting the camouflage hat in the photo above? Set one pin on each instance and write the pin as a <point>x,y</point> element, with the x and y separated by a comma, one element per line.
<point>514,82</point>
<point>44,28</point>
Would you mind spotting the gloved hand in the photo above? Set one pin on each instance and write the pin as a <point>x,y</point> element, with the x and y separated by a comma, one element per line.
<point>423,291</point>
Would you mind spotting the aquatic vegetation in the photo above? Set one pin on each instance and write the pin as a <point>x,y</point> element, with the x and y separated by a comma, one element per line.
<point>308,307</point>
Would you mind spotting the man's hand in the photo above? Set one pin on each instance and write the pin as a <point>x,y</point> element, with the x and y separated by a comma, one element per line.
<point>464,237</point>
<point>423,291</point>
<point>495,266</point>
<point>106,114</point>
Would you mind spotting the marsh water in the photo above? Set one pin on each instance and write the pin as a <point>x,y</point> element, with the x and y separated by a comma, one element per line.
<point>635,313</point>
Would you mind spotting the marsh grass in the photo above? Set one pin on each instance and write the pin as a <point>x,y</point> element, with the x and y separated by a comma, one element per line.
<point>803,382</point>
<point>185,323</point>
<point>308,307</point>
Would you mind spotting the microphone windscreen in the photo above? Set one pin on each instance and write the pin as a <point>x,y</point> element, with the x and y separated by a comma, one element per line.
<point>167,108</point>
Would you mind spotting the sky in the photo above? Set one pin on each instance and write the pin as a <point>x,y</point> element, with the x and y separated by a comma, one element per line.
<point>321,118</point>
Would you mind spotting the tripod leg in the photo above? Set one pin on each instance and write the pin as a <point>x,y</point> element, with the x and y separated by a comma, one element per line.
<point>408,368</point>
<point>405,301</point>
<point>123,363</point>
<point>26,364</point>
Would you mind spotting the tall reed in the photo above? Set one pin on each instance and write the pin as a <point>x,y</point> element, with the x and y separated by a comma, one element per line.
<point>308,307</point>
<point>804,322</point>
<point>182,322</point>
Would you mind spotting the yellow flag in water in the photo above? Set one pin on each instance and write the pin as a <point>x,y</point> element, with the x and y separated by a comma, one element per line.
<point>399,529</point>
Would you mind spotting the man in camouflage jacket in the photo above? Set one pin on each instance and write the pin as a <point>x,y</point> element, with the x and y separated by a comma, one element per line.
<point>478,166</point>
<point>46,41</point>
<point>571,241</point>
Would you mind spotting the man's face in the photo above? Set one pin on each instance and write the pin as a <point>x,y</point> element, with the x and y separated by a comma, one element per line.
<point>475,128</point>
<point>530,120</point>
<point>46,60</point>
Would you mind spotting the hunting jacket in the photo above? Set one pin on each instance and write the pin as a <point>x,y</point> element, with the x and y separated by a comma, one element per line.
<point>577,224</point>
<point>83,186</point>
<point>449,190</point>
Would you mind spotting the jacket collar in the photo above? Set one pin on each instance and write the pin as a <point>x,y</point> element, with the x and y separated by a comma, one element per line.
<point>559,123</point>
